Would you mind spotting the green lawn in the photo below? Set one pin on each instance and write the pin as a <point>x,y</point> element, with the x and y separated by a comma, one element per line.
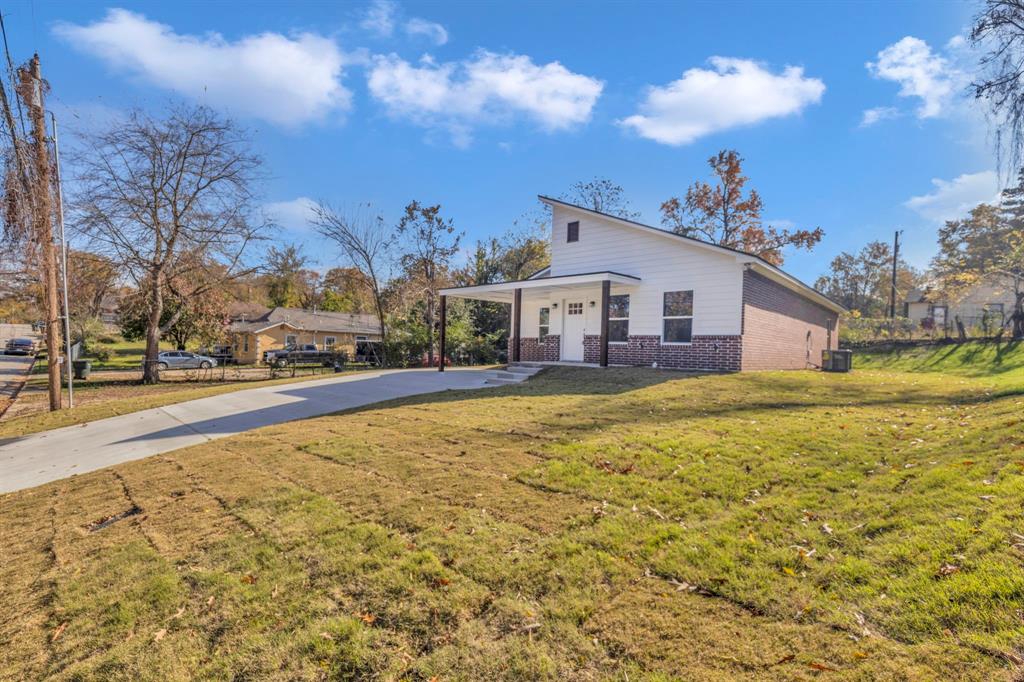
<point>618,524</point>
<point>123,355</point>
<point>999,361</point>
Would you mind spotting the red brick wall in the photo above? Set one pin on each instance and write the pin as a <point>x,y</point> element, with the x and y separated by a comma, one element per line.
<point>718,353</point>
<point>531,350</point>
<point>776,322</point>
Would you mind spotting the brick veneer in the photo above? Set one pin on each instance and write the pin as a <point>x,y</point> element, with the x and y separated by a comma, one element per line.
<point>776,323</point>
<point>532,350</point>
<point>719,353</point>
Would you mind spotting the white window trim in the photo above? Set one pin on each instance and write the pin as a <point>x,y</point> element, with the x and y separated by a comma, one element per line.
<point>362,338</point>
<point>294,339</point>
<point>615,319</point>
<point>675,317</point>
<point>543,340</point>
<point>330,341</point>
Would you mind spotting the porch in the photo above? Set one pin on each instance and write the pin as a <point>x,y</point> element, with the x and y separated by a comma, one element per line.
<point>562,319</point>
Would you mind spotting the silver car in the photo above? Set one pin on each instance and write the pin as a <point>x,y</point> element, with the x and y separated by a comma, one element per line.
<point>182,359</point>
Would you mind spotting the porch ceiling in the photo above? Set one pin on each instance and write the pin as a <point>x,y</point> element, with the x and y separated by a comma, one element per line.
<point>503,292</point>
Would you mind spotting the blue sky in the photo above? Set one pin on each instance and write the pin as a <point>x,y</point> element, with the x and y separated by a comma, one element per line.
<point>850,115</point>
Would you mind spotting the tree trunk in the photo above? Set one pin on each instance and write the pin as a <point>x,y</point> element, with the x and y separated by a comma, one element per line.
<point>150,369</point>
<point>1018,316</point>
<point>430,329</point>
<point>961,332</point>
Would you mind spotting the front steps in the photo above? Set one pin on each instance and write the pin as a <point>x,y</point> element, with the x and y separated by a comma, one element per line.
<point>514,373</point>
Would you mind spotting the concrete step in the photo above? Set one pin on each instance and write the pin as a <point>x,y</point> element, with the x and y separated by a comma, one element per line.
<point>536,365</point>
<point>508,376</point>
<point>497,381</point>
<point>520,369</point>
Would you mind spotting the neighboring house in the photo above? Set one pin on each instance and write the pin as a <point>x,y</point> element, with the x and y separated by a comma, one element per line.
<point>109,309</point>
<point>622,293</point>
<point>988,304</point>
<point>280,327</point>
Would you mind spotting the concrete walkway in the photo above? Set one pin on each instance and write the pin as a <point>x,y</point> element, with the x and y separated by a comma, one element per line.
<point>51,455</point>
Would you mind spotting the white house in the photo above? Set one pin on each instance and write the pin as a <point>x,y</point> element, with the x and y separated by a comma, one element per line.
<point>621,293</point>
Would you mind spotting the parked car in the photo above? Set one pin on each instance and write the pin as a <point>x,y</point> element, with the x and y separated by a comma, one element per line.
<point>300,354</point>
<point>222,353</point>
<point>182,359</point>
<point>20,346</point>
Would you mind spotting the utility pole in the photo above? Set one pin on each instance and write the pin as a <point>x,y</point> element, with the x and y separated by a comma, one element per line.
<point>68,360</point>
<point>895,260</point>
<point>32,94</point>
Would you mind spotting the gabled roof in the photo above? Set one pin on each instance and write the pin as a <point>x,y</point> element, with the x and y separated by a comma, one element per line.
<point>311,320</point>
<point>752,261</point>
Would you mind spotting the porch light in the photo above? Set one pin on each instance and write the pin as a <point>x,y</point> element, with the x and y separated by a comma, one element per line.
<point>593,303</point>
<point>554,305</point>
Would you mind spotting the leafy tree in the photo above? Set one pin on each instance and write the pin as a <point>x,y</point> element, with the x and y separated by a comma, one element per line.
<point>987,246</point>
<point>346,290</point>
<point>862,281</point>
<point>722,214</point>
<point>170,200</point>
<point>201,318</point>
<point>92,278</point>
<point>428,243</point>
<point>602,195</point>
<point>284,267</point>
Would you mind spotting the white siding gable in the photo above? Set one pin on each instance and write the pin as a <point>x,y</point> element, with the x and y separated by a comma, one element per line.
<point>663,262</point>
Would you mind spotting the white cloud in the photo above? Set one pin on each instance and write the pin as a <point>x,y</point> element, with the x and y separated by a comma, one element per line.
<point>487,88</point>
<point>920,73</point>
<point>431,30</point>
<point>380,18</point>
<point>295,214</point>
<point>876,114</point>
<point>954,198</point>
<point>734,92</point>
<point>281,79</point>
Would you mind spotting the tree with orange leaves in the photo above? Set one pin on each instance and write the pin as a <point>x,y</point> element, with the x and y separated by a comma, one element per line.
<point>722,214</point>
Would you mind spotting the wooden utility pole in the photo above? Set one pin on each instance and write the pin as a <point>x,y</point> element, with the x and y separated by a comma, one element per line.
<point>32,94</point>
<point>895,260</point>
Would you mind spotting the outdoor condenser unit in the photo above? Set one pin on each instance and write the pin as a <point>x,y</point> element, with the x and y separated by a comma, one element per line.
<point>836,360</point>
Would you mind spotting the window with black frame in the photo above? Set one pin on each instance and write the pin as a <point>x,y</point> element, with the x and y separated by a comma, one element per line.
<point>544,324</point>
<point>677,314</point>
<point>618,318</point>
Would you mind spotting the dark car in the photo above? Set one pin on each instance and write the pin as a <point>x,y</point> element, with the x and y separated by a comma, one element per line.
<point>20,346</point>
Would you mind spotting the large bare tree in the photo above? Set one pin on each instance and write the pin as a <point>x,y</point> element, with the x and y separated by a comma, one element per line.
<point>998,33</point>
<point>171,200</point>
<point>365,243</point>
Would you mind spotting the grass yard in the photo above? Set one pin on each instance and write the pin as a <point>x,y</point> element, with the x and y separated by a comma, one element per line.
<point>121,356</point>
<point>587,524</point>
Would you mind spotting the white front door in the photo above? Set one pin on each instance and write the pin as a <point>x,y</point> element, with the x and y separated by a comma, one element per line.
<point>573,319</point>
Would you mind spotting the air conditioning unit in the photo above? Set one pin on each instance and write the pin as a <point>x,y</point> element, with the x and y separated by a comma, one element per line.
<point>836,360</point>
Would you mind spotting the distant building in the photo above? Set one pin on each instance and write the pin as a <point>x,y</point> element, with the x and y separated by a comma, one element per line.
<point>279,327</point>
<point>984,306</point>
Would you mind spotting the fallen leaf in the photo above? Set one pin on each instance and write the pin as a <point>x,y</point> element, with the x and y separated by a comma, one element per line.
<point>209,602</point>
<point>859,654</point>
<point>179,613</point>
<point>59,631</point>
<point>367,618</point>
<point>159,634</point>
<point>327,635</point>
<point>826,528</point>
<point>785,659</point>
<point>948,569</point>
<point>821,667</point>
<point>788,571</point>
<point>248,579</point>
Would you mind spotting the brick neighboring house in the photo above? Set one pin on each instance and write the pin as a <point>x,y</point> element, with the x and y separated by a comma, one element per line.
<point>619,292</point>
<point>279,327</point>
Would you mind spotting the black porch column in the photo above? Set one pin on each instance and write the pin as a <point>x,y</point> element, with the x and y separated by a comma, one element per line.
<point>517,318</point>
<point>606,289</point>
<point>444,325</point>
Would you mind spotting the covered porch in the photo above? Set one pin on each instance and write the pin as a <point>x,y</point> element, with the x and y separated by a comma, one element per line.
<point>562,319</point>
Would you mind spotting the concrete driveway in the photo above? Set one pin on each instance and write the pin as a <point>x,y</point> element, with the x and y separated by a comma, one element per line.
<point>13,372</point>
<point>51,455</point>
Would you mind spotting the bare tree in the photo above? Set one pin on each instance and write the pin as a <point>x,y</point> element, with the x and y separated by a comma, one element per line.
<point>998,32</point>
<point>603,196</point>
<point>364,242</point>
<point>171,200</point>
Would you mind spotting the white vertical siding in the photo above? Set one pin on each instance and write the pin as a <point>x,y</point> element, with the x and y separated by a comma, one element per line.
<point>661,261</point>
